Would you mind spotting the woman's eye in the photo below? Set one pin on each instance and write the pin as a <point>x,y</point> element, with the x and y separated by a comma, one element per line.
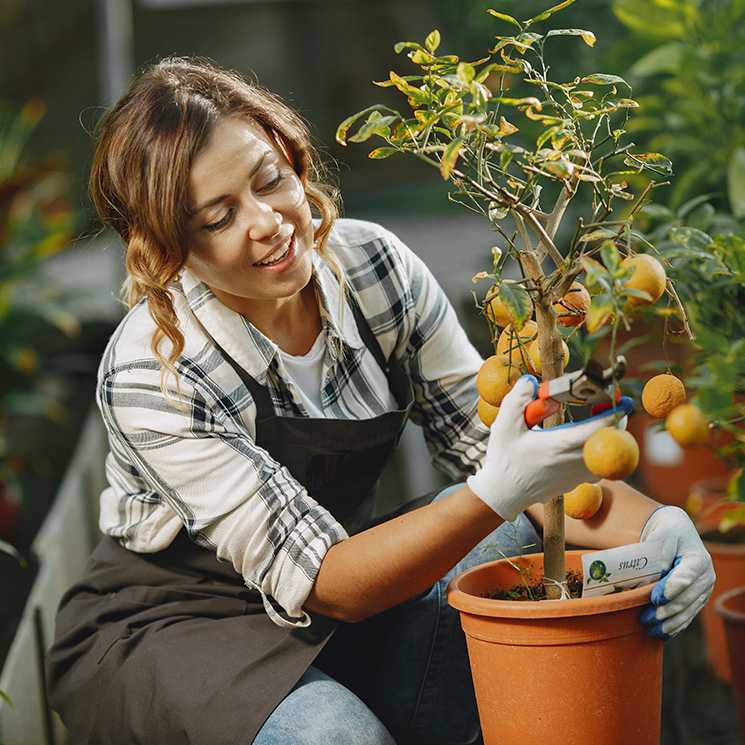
<point>273,182</point>
<point>221,223</point>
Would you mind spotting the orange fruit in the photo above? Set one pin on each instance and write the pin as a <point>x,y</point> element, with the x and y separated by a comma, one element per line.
<point>495,309</point>
<point>535,355</point>
<point>572,308</point>
<point>508,340</point>
<point>687,425</point>
<point>583,501</point>
<point>496,377</point>
<point>662,394</point>
<point>611,453</point>
<point>649,276</point>
<point>487,412</point>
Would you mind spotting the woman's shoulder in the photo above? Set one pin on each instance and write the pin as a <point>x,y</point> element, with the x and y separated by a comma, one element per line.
<point>368,236</point>
<point>361,246</point>
<point>130,345</point>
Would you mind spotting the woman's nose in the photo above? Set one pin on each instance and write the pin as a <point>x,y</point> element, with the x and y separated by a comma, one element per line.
<point>263,222</point>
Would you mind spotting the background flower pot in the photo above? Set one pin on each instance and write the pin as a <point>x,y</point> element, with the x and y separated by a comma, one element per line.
<point>578,671</point>
<point>730,607</point>
<point>666,471</point>
<point>729,565</point>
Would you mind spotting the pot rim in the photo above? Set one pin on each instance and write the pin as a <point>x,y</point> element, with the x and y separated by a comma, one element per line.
<point>476,605</point>
<point>729,614</point>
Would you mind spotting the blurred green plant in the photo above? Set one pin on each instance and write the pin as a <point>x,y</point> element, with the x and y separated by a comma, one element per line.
<point>707,249</point>
<point>690,85</point>
<point>36,222</point>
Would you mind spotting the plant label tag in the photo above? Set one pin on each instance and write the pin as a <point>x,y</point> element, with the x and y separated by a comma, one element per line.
<point>617,569</point>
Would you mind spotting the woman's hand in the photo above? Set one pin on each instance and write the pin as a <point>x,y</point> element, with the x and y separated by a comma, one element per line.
<point>689,574</point>
<point>524,466</point>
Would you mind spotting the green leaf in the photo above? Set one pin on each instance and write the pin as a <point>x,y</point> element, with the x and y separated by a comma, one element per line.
<point>450,156</point>
<point>375,125</point>
<point>517,301</point>
<point>546,13</point>
<point>587,36</point>
<point>601,78</point>
<point>382,152</point>
<point>610,256</point>
<point>505,17</point>
<point>601,309</point>
<point>401,45</point>
<point>343,128</point>
<point>416,96</point>
<point>691,238</point>
<point>466,73</point>
<point>561,169</point>
<point>653,161</point>
<point>420,57</point>
<point>651,18</point>
<point>736,182</point>
<point>666,58</point>
<point>432,41</point>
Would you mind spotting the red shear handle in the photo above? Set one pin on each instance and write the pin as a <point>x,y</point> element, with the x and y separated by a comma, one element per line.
<point>541,407</point>
<point>597,408</point>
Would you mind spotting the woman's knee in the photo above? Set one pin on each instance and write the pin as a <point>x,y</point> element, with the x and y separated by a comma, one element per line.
<point>321,711</point>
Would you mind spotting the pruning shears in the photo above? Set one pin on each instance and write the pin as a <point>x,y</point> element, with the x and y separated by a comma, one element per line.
<point>592,385</point>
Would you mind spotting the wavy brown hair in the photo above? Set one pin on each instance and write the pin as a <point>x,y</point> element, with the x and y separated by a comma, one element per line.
<point>145,147</point>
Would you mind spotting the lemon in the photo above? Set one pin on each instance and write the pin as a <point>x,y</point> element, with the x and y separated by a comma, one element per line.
<point>611,453</point>
<point>496,377</point>
<point>662,394</point>
<point>649,276</point>
<point>687,425</point>
<point>584,501</point>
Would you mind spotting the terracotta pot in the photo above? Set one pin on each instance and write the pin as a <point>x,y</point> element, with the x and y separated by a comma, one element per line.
<point>567,671</point>
<point>729,565</point>
<point>730,607</point>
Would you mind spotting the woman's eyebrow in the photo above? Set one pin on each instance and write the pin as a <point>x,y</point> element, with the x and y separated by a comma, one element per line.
<point>219,199</point>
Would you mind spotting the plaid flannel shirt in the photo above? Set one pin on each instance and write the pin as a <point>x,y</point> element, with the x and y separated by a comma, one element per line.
<point>192,461</point>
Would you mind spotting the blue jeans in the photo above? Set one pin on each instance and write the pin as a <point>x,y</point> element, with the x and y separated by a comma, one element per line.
<point>420,689</point>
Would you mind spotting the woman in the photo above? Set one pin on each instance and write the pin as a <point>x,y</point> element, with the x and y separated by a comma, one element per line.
<point>245,590</point>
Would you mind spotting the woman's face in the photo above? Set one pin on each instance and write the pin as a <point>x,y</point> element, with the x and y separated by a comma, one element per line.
<point>251,234</point>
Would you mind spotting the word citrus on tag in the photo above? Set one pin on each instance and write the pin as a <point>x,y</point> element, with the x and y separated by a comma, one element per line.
<point>616,569</point>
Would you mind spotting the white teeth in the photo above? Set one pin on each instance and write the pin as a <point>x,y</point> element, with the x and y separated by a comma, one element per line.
<point>278,254</point>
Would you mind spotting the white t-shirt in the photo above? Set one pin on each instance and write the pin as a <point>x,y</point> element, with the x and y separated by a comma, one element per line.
<point>306,372</point>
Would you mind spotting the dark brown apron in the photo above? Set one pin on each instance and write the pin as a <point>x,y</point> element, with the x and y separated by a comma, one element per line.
<point>172,647</point>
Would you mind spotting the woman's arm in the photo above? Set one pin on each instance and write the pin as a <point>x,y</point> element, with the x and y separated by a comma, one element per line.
<point>391,562</point>
<point>618,522</point>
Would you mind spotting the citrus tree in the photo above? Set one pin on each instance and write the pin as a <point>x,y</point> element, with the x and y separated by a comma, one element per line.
<point>546,163</point>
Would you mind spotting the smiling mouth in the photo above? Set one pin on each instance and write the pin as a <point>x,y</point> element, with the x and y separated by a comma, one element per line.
<point>277,256</point>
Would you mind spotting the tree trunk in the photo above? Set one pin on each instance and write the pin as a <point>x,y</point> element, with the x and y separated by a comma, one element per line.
<point>552,366</point>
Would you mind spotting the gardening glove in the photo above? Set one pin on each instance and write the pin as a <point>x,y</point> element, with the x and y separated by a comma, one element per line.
<point>523,466</point>
<point>688,577</point>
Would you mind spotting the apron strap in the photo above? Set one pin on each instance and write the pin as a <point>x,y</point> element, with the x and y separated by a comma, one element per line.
<point>260,393</point>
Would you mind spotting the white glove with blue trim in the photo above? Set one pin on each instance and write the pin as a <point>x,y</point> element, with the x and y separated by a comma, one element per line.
<point>524,466</point>
<point>689,574</point>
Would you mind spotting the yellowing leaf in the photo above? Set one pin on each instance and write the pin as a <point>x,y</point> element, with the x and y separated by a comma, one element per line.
<point>505,128</point>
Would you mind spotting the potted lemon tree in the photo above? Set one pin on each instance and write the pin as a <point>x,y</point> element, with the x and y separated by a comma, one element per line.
<point>545,162</point>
